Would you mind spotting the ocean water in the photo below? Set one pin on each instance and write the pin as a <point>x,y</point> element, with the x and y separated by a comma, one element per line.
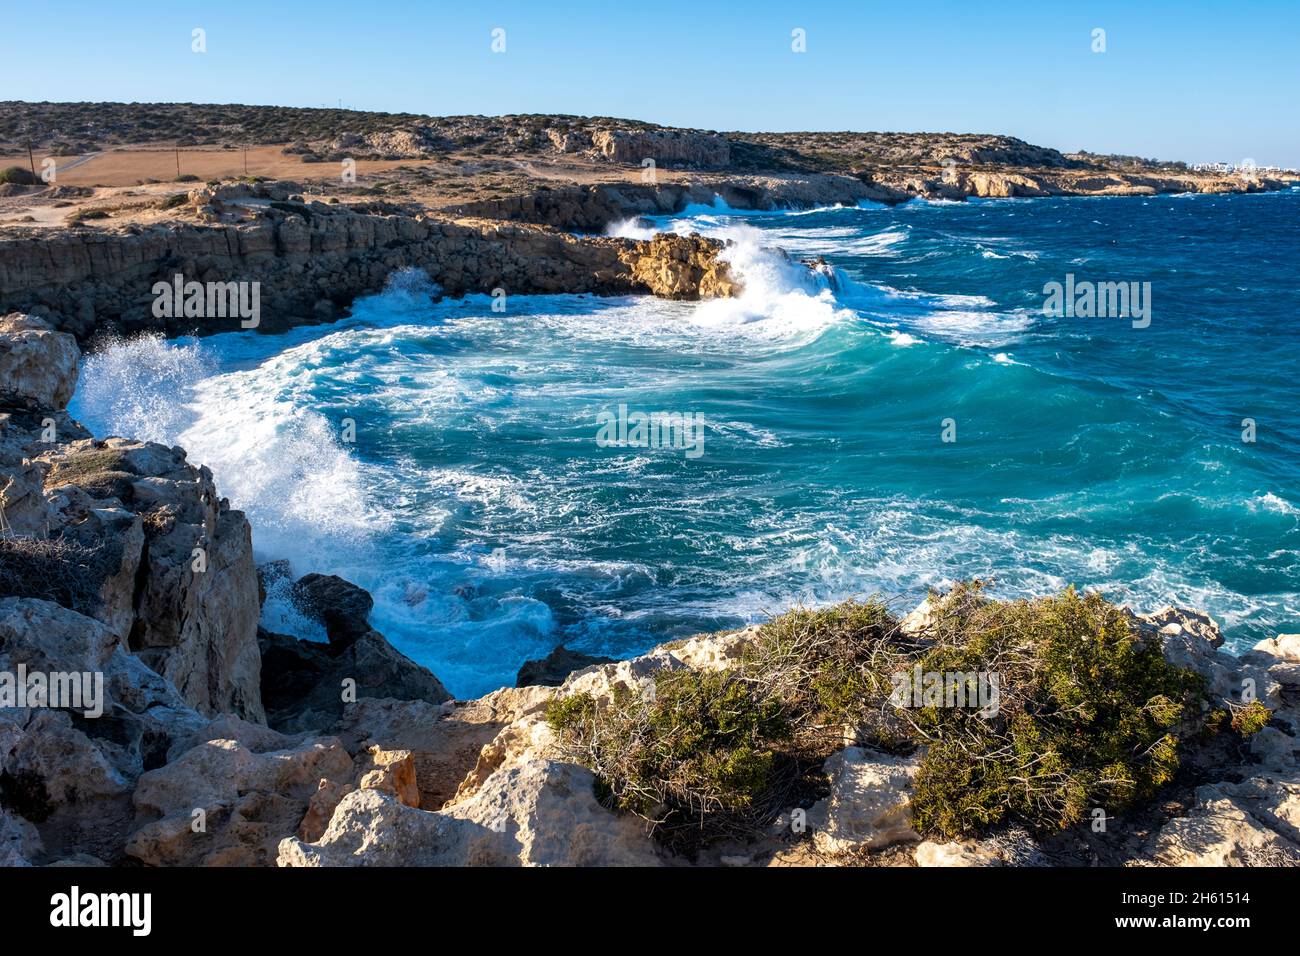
<point>477,505</point>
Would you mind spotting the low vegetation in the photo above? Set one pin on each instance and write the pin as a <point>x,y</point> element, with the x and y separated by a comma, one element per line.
<point>1086,714</point>
<point>18,176</point>
<point>58,569</point>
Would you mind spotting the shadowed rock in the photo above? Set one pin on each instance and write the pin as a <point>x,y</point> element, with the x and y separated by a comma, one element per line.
<point>305,684</point>
<point>341,606</point>
<point>553,669</point>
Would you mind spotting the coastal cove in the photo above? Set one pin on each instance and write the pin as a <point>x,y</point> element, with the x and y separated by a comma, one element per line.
<point>478,508</point>
<point>396,490</point>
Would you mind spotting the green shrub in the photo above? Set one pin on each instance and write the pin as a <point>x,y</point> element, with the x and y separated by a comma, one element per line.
<point>18,175</point>
<point>1087,715</point>
<point>174,200</point>
<point>698,757</point>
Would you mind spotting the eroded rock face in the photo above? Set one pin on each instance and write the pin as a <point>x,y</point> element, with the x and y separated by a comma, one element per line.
<point>20,844</point>
<point>870,803</point>
<point>681,267</point>
<point>306,684</point>
<point>71,772</point>
<point>224,804</point>
<point>180,583</point>
<point>310,262</point>
<point>125,532</point>
<point>448,742</point>
<point>1192,639</point>
<point>536,813</point>
<point>1220,833</point>
<point>959,854</point>
<point>38,366</point>
<point>664,147</point>
<point>339,605</point>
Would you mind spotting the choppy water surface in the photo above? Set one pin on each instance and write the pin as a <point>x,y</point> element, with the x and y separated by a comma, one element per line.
<point>478,507</point>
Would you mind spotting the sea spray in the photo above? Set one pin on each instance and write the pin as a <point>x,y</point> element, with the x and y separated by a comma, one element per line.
<point>477,509</point>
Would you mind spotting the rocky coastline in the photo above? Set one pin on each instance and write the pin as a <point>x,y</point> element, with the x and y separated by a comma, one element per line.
<point>311,260</point>
<point>221,744</point>
<point>216,742</point>
<point>312,256</point>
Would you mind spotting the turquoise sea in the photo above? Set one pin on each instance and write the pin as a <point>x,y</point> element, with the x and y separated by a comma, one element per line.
<point>446,457</point>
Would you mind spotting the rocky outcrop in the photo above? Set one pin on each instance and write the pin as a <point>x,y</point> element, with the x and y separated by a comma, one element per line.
<point>306,684</point>
<point>553,669</point>
<point>534,813</point>
<point>132,535</point>
<point>340,606</point>
<point>309,263</point>
<point>663,147</point>
<point>38,366</point>
<point>681,267</point>
<point>71,771</point>
<point>1192,639</point>
<point>224,803</point>
<point>178,578</point>
<point>593,208</point>
<point>869,805</point>
<point>1218,832</point>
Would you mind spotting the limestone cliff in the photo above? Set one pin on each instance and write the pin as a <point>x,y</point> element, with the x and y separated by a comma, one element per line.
<point>312,261</point>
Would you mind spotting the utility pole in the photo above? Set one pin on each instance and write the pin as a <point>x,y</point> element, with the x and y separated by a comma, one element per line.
<point>31,161</point>
<point>178,162</point>
<point>245,160</point>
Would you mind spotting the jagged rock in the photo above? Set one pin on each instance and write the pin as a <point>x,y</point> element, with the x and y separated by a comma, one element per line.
<point>77,276</point>
<point>174,574</point>
<point>538,813</point>
<point>38,366</point>
<point>389,771</point>
<point>57,777</point>
<point>681,267</point>
<point>448,742</point>
<point>1274,749</point>
<point>919,620</point>
<point>553,669</point>
<point>71,772</point>
<point>1192,639</point>
<point>870,803</point>
<point>256,737</point>
<point>341,606</point>
<point>1220,833</point>
<point>1286,647</point>
<point>248,801</point>
<point>303,682</point>
<point>705,652</point>
<point>1273,801</point>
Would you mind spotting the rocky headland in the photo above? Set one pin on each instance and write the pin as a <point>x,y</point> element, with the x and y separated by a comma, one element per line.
<point>511,204</point>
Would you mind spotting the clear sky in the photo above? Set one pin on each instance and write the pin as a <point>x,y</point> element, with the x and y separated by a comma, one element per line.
<point>1189,80</point>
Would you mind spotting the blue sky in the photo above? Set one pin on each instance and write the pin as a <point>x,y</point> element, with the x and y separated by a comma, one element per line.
<point>1190,80</point>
